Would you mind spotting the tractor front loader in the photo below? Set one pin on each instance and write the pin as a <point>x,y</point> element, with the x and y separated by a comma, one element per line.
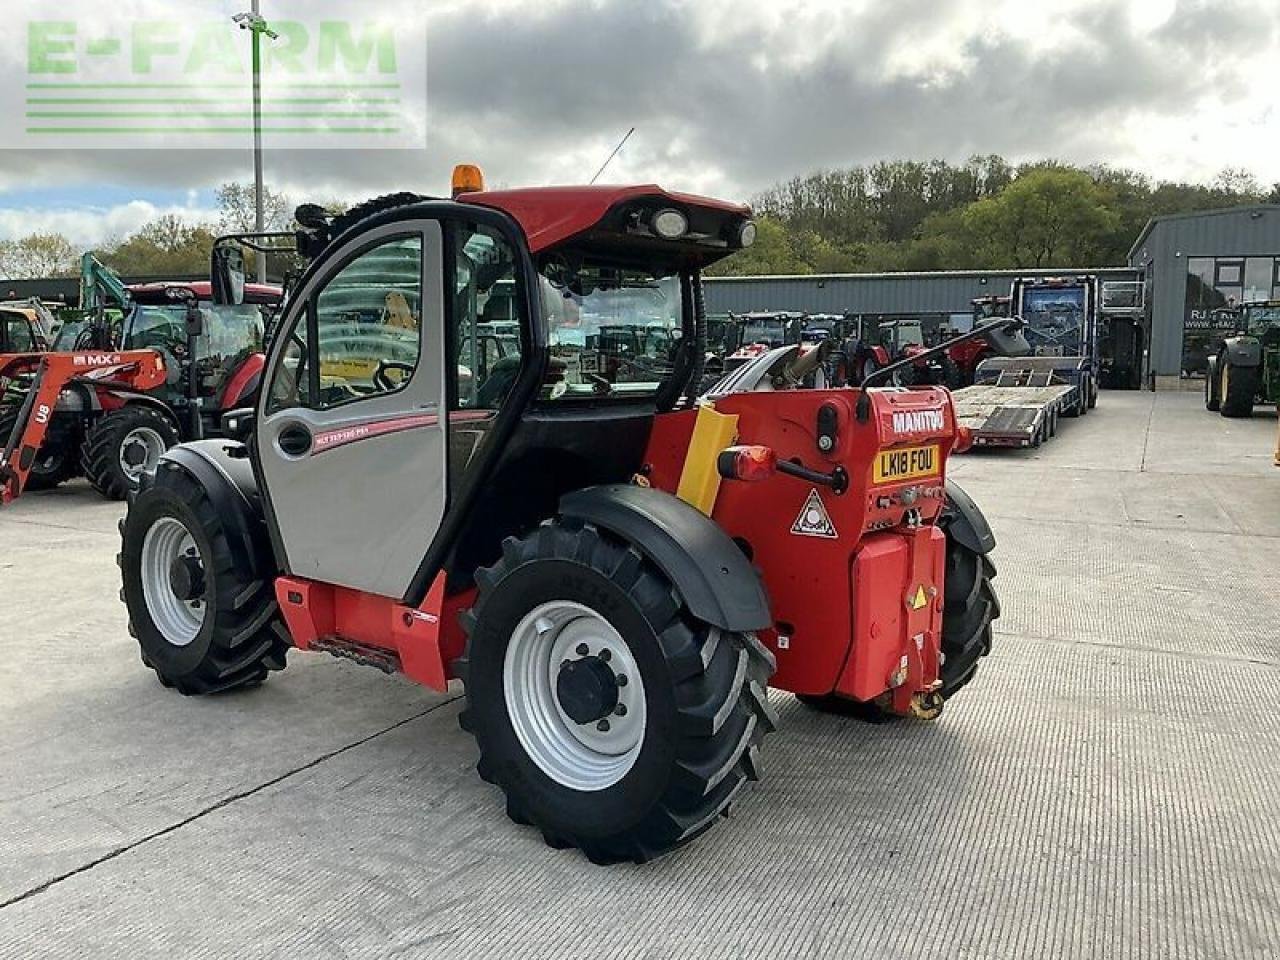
<point>26,458</point>
<point>616,568</point>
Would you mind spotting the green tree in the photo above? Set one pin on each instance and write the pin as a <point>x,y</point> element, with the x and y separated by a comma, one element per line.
<point>38,256</point>
<point>167,247</point>
<point>1045,218</point>
<point>237,209</point>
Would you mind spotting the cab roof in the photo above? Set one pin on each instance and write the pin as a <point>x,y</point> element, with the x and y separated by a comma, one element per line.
<point>153,293</point>
<point>552,215</point>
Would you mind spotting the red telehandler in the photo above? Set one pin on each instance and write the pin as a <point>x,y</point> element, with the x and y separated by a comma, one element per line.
<point>616,569</point>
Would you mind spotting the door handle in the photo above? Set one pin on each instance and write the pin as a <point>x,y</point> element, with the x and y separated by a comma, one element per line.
<point>295,440</point>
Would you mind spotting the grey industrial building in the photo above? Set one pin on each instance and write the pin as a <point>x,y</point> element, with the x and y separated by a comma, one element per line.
<point>1197,268</point>
<point>1192,268</point>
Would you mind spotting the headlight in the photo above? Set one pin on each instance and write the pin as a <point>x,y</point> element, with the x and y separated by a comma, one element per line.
<point>670,224</point>
<point>747,234</point>
<point>70,401</point>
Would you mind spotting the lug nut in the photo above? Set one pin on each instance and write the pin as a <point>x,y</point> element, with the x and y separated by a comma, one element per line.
<point>603,726</point>
<point>583,650</point>
<point>622,680</point>
<point>620,709</point>
<point>605,655</point>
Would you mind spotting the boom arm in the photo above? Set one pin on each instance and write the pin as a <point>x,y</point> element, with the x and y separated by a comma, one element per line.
<point>98,283</point>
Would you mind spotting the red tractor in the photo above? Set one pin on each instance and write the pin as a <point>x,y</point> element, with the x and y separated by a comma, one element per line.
<point>902,339</point>
<point>966,356</point>
<point>111,430</point>
<point>616,570</point>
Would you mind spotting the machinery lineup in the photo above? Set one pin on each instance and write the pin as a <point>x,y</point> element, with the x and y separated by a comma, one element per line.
<point>548,474</point>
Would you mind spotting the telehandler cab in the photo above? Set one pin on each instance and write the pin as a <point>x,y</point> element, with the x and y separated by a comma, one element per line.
<point>615,569</point>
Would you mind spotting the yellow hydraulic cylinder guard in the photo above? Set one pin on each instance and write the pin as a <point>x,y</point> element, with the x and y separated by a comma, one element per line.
<point>699,480</point>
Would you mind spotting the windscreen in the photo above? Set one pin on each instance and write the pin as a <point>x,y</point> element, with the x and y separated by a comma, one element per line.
<point>770,330</point>
<point>1263,319</point>
<point>1054,319</point>
<point>612,330</point>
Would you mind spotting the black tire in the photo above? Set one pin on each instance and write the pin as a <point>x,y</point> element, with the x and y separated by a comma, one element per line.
<point>705,696</point>
<point>242,637</point>
<point>1237,389</point>
<point>1093,394</point>
<point>1083,397</point>
<point>100,456</point>
<point>1211,399</point>
<point>57,460</point>
<point>969,609</point>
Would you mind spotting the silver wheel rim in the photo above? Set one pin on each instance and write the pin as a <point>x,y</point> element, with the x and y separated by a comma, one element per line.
<point>582,757</point>
<point>146,441</point>
<point>178,620</point>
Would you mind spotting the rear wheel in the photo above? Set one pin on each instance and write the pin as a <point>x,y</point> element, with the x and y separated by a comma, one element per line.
<point>204,625</point>
<point>612,718</point>
<point>124,446</point>
<point>1237,388</point>
<point>56,461</point>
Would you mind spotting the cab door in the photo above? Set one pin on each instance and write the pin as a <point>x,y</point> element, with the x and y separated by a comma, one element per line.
<point>351,436</point>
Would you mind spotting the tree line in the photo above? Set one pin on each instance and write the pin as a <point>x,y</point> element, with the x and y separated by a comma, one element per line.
<point>984,214</point>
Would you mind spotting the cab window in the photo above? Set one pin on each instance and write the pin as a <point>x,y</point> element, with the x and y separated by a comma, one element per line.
<point>17,333</point>
<point>366,327</point>
<point>484,318</point>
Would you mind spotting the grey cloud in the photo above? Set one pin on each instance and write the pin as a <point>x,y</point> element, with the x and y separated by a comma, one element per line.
<point>535,97</point>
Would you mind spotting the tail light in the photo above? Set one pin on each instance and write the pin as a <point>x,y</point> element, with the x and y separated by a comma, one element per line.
<point>747,463</point>
<point>964,439</point>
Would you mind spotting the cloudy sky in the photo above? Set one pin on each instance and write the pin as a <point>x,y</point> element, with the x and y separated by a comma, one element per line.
<point>727,96</point>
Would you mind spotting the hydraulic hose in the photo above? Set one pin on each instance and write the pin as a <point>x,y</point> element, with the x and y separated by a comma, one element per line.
<point>699,337</point>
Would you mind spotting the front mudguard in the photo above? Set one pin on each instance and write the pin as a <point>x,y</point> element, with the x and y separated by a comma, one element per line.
<point>222,469</point>
<point>1241,352</point>
<point>964,522</point>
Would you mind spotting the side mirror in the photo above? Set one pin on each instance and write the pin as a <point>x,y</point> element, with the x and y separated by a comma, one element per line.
<point>194,319</point>
<point>228,276</point>
<point>238,424</point>
<point>1008,340</point>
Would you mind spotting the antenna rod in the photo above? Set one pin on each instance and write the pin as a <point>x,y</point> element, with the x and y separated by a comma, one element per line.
<point>616,150</point>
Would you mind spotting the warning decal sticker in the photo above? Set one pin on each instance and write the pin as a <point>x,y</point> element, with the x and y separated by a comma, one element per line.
<point>814,521</point>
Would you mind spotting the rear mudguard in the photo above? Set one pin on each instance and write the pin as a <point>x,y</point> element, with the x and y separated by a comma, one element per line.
<point>964,522</point>
<point>713,575</point>
<point>1242,351</point>
<point>222,469</point>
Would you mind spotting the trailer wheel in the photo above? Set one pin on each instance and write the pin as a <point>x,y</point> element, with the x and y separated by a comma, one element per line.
<point>1237,389</point>
<point>56,461</point>
<point>1212,401</point>
<point>123,446</point>
<point>204,626</point>
<point>613,720</point>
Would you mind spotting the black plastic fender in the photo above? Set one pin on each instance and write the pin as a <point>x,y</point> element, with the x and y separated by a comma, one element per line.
<point>964,521</point>
<point>222,469</point>
<point>137,398</point>
<point>1242,351</point>
<point>715,578</point>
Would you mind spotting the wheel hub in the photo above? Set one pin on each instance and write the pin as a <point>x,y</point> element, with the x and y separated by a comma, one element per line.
<point>587,690</point>
<point>186,578</point>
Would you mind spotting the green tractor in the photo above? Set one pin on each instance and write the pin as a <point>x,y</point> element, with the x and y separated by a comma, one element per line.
<point>1244,367</point>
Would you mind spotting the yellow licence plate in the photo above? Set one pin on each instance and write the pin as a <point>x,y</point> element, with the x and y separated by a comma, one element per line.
<point>908,463</point>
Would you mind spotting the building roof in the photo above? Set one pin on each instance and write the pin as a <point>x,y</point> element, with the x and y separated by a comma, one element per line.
<point>925,274</point>
<point>1194,215</point>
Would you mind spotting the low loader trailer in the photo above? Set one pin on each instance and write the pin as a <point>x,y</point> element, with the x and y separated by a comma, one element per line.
<point>1017,401</point>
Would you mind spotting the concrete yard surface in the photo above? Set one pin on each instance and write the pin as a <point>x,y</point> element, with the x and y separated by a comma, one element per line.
<point>1106,788</point>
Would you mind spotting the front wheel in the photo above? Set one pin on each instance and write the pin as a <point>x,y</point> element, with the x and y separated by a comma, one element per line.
<point>1212,401</point>
<point>204,625</point>
<point>123,447</point>
<point>613,719</point>
<point>56,461</point>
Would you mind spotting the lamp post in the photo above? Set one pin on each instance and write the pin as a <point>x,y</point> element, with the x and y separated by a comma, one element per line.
<point>254,22</point>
